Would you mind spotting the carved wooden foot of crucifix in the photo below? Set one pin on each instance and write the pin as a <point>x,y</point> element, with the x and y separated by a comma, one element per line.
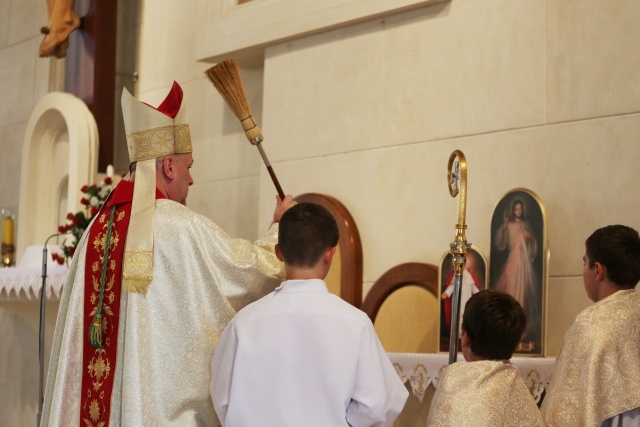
<point>62,22</point>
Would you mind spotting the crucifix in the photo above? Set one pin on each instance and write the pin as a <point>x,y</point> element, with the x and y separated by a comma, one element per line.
<point>457,181</point>
<point>86,39</point>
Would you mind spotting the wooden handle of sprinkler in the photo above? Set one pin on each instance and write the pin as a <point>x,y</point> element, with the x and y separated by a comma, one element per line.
<point>275,182</point>
<point>272,174</point>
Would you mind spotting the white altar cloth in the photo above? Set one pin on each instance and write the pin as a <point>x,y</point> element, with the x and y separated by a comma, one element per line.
<point>422,369</point>
<point>19,283</point>
<point>25,281</point>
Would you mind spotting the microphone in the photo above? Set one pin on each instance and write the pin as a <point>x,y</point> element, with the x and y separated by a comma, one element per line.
<point>42,308</point>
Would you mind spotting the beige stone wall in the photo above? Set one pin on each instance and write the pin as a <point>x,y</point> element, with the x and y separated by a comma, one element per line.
<point>24,79</point>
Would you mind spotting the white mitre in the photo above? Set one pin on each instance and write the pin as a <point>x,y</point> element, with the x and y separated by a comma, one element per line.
<point>151,133</point>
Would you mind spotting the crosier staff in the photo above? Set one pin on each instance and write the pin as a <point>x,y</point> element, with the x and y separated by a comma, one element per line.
<point>457,181</point>
<point>226,79</point>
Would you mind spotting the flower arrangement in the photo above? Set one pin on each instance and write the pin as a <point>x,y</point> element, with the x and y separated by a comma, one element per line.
<point>93,198</point>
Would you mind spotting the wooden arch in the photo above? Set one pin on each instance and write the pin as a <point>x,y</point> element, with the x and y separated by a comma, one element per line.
<point>411,273</point>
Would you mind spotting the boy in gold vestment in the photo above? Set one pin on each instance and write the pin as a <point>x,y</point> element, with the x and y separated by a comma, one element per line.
<point>597,377</point>
<point>486,390</point>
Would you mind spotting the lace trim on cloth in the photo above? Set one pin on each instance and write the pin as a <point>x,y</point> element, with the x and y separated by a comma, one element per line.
<point>423,369</point>
<point>25,283</point>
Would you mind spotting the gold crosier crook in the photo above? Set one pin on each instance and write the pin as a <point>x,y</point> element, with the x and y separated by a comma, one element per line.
<point>457,181</point>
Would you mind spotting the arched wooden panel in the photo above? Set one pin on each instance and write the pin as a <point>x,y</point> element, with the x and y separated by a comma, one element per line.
<point>403,306</point>
<point>411,273</point>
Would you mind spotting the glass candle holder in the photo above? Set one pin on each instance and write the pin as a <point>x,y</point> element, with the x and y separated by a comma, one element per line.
<point>8,248</point>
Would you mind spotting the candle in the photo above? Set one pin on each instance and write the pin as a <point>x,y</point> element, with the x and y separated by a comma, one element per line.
<point>7,231</point>
<point>110,171</point>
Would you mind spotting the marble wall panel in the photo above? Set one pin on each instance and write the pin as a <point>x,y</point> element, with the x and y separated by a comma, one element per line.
<point>442,71</point>
<point>399,199</point>
<point>11,137</point>
<point>44,77</point>
<point>463,68</point>
<point>5,7</point>
<point>323,93</point>
<point>17,71</point>
<point>566,298</point>
<point>26,17</point>
<point>167,44</point>
<point>232,205</point>
<point>592,59</point>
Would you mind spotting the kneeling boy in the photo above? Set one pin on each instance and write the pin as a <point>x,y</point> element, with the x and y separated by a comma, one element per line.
<point>486,390</point>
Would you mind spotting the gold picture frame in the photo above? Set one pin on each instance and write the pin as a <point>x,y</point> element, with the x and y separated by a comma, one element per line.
<point>519,260</point>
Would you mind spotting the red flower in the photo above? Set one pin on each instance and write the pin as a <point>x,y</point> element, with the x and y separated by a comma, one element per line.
<point>79,221</point>
<point>54,256</point>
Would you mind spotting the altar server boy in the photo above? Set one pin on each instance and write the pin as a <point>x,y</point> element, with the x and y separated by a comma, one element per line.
<point>597,378</point>
<point>300,355</point>
<point>486,390</point>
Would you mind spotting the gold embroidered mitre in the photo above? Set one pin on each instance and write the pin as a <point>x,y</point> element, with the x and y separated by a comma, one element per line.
<point>151,133</point>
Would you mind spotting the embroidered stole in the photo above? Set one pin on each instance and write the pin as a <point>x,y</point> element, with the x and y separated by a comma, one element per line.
<point>103,280</point>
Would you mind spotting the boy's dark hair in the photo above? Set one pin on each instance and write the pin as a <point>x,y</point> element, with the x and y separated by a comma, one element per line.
<point>617,247</point>
<point>306,231</point>
<point>494,322</point>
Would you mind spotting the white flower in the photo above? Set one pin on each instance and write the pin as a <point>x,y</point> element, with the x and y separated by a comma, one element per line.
<point>93,201</point>
<point>104,192</point>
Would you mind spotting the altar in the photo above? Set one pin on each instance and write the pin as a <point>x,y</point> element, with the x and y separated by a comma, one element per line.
<point>24,282</point>
<point>19,332</point>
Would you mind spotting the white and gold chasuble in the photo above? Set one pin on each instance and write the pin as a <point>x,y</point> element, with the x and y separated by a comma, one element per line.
<point>484,393</point>
<point>597,374</point>
<point>166,337</point>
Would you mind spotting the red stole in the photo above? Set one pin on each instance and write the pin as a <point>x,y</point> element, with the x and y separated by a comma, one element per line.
<point>99,364</point>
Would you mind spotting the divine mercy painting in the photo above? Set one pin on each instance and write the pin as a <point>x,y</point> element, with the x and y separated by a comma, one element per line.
<point>518,260</point>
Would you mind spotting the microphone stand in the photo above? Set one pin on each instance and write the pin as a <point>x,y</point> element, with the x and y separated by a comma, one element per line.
<point>42,312</point>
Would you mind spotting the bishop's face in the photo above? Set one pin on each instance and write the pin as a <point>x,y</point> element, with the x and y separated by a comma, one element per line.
<point>183,180</point>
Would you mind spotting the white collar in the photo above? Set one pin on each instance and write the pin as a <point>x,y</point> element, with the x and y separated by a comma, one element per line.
<point>299,286</point>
